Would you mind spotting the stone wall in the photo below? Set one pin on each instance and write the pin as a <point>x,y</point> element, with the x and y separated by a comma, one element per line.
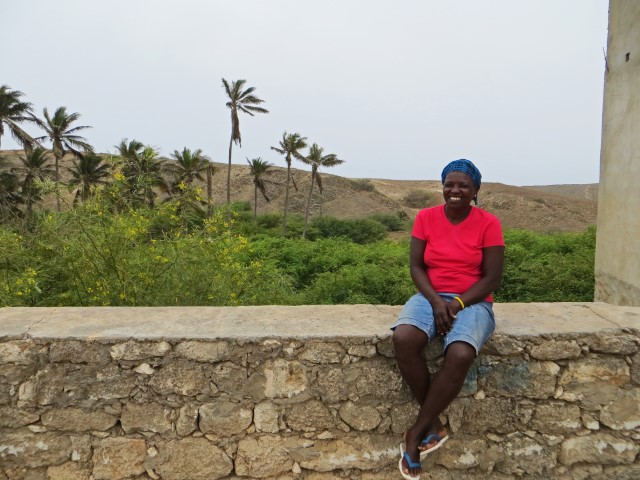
<point>309,393</point>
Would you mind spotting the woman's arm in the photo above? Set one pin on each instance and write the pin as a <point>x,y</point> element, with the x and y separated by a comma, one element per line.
<point>420,279</point>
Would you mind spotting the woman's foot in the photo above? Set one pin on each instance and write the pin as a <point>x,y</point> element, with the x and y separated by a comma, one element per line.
<point>409,463</point>
<point>435,437</point>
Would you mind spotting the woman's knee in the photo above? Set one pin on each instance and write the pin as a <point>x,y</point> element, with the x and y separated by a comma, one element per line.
<point>460,355</point>
<point>408,339</point>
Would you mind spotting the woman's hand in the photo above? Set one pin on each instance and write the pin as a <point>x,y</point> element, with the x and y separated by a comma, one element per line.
<point>444,314</point>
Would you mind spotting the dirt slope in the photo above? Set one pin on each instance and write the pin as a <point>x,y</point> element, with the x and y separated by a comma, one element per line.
<point>551,208</point>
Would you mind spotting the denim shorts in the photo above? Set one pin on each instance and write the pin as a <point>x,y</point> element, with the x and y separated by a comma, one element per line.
<point>474,324</point>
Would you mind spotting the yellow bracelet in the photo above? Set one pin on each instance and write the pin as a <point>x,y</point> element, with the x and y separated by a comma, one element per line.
<point>459,300</point>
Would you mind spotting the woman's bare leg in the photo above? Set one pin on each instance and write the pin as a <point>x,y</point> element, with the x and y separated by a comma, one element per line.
<point>445,386</point>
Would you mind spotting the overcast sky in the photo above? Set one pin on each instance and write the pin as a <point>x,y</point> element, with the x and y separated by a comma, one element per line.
<point>395,88</point>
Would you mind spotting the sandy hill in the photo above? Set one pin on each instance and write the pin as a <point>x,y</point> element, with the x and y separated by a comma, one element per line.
<point>549,208</point>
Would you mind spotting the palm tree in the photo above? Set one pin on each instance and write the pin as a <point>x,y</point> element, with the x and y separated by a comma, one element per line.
<point>63,136</point>
<point>210,171</point>
<point>290,147</point>
<point>12,112</point>
<point>34,166</point>
<point>243,101</point>
<point>316,159</point>
<point>89,170</point>
<point>189,166</point>
<point>142,169</point>
<point>259,168</point>
<point>10,195</point>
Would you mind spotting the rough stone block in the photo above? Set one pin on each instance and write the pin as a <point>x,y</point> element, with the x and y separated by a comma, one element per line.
<point>600,448</point>
<point>310,416</point>
<point>364,452</point>
<point>462,454</point>
<point>229,378</point>
<point>182,377</point>
<point>118,458</point>
<point>266,416</point>
<point>332,385</point>
<point>360,416</point>
<point>15,374</point>
<point>490,414</point>
<point>518,378</point>
<point>504,346</point>
<point>372,376</point>
<point>46,387</point>
<point>76,351</point>
<point>262,457</point>
<point>635,369</point>
<point>190,459</point>
<point>621,472</point>
<point>402,416</point>
<point>68,471</point>
<point>23,448</point>
<point>77,419</point>
<point>556,350</point>
<point>624,412</point>
<point>613,342</point>
<point>366,351</point>
<point>385,347</point>
<point>110,383</point>
<point>146,417</point>
<point>316,352</point>
<point>187,422</point>
<point>209,352</point>
<point>20,352</point>
<point>556,418</point>
<point>596,369</point>
<point>137,350</point>
<point>523,454</point>
<point>284,379</point>
<point>224,418</point>
<point>11,417</point>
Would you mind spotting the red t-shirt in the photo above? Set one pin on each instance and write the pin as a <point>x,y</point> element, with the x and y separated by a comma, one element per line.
<point>453,254</point>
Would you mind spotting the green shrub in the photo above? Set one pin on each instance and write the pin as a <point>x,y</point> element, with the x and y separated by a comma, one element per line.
<point>548,268</point>
<point>416,199</point>
<point>357,230</point>
<point>362,185</point>
<point>393,222</point>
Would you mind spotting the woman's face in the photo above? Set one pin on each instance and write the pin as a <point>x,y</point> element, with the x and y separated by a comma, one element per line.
<point>458,190</point>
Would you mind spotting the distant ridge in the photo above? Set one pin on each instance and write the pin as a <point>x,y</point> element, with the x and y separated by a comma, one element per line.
<point>546,208</point>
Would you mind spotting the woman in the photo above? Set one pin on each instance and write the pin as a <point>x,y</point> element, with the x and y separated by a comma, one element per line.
<point>456,261</point>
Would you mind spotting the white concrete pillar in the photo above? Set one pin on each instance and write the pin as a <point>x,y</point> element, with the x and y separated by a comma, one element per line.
<point>617,268</point>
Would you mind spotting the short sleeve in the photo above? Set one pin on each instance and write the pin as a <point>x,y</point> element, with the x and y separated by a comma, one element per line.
<point>419,226</point>
<point>493,234</point>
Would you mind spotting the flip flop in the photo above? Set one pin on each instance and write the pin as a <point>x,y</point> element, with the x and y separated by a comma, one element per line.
<point>405,455</point>
<point>434,436</point>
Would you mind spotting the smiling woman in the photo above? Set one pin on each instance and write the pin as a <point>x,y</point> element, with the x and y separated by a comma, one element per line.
<point>456,261</point>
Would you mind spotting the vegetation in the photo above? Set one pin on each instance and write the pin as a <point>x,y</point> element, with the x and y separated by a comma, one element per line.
<point>239,101</point>
<point>121,243</point>
<point>317,159</point>
<point>362,185</point>
<point>63,137</point>
<point>13,112</point>
<point>416,199</point>
<point>259,171</point>
<point>290,147</point>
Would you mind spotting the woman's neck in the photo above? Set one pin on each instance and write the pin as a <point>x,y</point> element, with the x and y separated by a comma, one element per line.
<point>456,216</point>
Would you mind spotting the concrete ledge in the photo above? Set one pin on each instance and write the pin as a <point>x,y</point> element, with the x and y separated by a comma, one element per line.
<point>309,392</point>
<point>309,321</point>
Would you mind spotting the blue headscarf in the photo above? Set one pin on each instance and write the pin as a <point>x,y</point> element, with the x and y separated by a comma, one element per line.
<point>465,166</point>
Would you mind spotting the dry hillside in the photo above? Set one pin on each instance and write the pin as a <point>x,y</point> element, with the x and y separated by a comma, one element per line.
<point>543,209</point>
